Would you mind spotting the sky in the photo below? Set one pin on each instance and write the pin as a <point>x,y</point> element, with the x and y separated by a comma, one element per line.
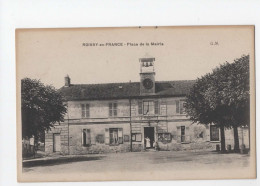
<point>182,53</point>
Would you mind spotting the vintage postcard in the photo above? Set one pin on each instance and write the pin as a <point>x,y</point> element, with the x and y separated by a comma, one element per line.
<point>136,103</point>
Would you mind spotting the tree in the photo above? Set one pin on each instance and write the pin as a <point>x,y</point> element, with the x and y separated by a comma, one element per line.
<point>236,94</point>
<point>222,98</point>
<point>42,106</point>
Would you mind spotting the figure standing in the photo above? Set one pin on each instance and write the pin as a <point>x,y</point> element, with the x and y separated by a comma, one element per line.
<point>148,143</point>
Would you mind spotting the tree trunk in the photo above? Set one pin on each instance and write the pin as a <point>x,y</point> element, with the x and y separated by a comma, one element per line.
<point>236,139</point>
<point>223,141</point>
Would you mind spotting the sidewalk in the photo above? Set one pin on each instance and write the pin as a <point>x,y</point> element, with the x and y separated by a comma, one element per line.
<point>58,159</point>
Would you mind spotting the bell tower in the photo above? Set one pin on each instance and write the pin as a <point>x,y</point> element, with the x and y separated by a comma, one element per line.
<point>147,80</point>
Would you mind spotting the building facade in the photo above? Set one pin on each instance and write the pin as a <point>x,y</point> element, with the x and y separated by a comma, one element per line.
<point>133,116</point>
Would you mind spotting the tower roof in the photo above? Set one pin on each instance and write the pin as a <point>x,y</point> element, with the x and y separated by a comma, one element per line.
<point>147,58</point>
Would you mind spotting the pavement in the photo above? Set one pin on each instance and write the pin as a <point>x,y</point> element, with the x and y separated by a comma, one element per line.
<point>142,161</point>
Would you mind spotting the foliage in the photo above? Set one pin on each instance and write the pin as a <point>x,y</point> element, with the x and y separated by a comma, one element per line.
<point>42,106</point>
<point>222,97</point>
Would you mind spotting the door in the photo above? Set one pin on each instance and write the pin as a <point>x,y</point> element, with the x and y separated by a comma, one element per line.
<point>148,137</point>
<point>56,142</point>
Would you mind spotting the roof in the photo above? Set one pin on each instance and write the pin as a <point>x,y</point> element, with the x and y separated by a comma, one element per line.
<point>124,90</point>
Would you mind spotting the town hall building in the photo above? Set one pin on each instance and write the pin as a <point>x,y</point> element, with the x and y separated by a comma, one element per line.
<point>132,116</point>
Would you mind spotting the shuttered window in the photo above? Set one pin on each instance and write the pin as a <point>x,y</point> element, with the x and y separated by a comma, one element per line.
<point>114,136</point>
<point>85,110</point>
<point>148,108</point>
<point>86,137</point>
<point>180,107</point>
<point>112,109</point>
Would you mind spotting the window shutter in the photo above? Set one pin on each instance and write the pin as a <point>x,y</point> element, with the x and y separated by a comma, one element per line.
<point>140,106</point>
<point>181,107</point>
<point>83,137</point>
<point>187,135</point>
<point>87,110</point>
<point>120,135</point>
<point>88,138</point>
<point>178,134</point>
<point>177,106</point>
<point>115,112</point>
<point>115,109</point>
<point>82,110</point>
<point>107,136</point>
<point>156,107</point>
<point>110,109</point>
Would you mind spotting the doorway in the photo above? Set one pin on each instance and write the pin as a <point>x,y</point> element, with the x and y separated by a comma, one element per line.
<point>148,137</point>
<point>56,142</point>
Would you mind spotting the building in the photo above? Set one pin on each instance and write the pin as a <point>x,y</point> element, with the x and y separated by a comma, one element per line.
<point>133,116</point>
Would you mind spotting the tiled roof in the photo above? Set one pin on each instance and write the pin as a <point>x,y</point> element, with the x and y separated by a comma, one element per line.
<point>124,90</point>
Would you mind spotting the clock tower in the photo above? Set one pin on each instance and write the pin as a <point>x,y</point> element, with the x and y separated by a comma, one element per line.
<point>147,80</point>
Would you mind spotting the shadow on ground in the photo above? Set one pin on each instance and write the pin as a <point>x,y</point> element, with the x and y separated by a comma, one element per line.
<point>61,160</point>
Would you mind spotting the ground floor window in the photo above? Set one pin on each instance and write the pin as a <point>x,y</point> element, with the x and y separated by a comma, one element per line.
<point>114,136</point>
<point>183,134</point>
<point>214,133</point>
<point>86,138</point>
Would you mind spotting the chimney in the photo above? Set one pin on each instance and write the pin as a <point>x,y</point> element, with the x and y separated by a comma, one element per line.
<point>67,81</point>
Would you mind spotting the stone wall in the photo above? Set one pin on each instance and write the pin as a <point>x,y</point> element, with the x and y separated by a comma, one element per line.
<point>77,147</point>
<point>197,136</point>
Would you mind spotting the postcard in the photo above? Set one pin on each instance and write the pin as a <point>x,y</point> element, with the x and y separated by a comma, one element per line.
<point>136,103</point>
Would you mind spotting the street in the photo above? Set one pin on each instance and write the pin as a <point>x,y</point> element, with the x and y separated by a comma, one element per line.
<point>141,161</point>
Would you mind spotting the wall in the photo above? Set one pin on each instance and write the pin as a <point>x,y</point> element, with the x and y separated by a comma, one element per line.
<point>98,109</point>
<point>168,121</point>
<point>61,129</point>
<point>76,145</point>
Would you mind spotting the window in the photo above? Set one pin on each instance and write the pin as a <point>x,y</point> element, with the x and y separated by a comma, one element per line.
<point>84,110</point>
<point>148,107</point>
<point>180,107</point>
<point>112,109</point>
<point>214,133</point>
<point>183,134</point>
<point>137,137</point>
<point>114,136</point>
<point>86,138</point>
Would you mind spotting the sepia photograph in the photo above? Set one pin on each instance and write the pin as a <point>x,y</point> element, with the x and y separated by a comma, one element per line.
<point>135,103</point>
